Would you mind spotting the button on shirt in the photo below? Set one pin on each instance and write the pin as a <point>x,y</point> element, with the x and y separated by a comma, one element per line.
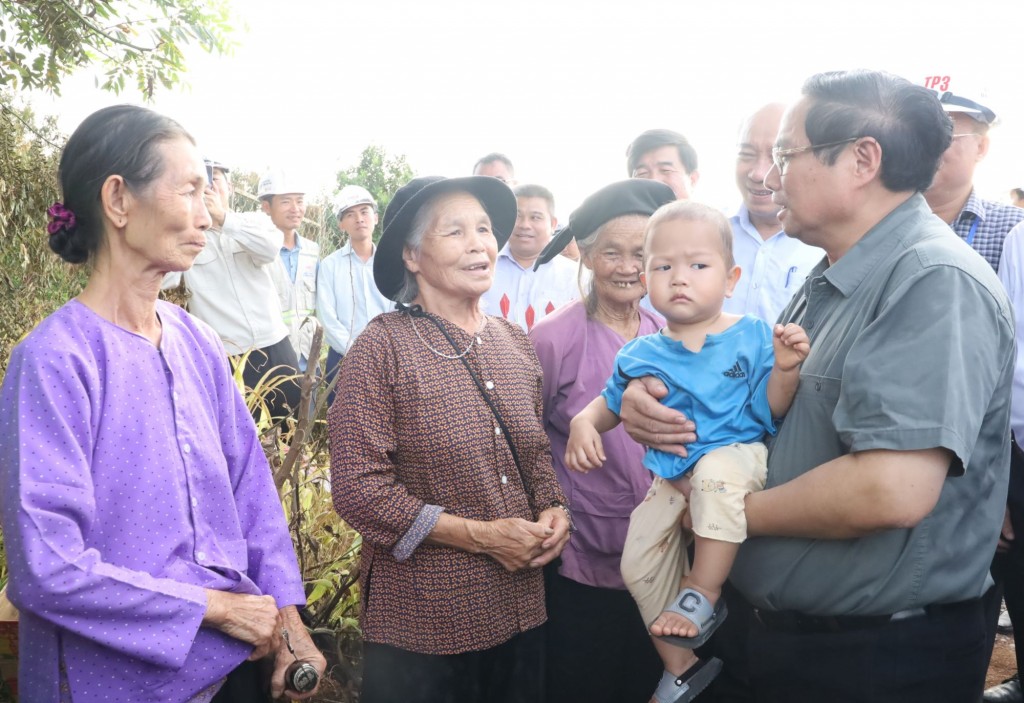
<point>524,296</point>
<point>122,503</point>
<point>347,298</point>
<point>994,221</point>
<point>772,269</point>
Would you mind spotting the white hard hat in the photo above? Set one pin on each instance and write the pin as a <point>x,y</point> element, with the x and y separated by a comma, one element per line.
<point>277,182</point>
<point>350,196</point>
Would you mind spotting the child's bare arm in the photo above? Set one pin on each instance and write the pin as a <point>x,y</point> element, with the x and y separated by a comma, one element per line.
<point>585,451</point>
<point>791,346</point>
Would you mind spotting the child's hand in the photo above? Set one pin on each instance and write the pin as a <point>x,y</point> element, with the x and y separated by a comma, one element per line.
<point>584,450</point>
<point>791,345</point>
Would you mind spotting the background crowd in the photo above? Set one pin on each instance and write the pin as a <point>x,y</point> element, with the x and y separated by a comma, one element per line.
<point>461,343</point>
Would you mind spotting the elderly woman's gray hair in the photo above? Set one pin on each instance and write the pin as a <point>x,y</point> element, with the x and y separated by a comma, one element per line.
<point>424,218</point>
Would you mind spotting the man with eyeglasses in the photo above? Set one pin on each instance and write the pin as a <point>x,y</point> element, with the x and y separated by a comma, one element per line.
<point>666,156</point>
<point>887,480</point>
<point>981,223</point>
<point>773,265</point>
<point>984,225</point>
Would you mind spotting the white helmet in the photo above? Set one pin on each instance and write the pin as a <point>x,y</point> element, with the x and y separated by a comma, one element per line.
<point>350,196</point>
<point>277,182</point>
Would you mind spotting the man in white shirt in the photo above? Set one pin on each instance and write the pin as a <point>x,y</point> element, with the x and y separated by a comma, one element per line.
<point>773,265</point>
<point>284,199</point>
<point>231,289</point>
<point>1008,564</point>
<point>346,296</point>
<point>519,293</point>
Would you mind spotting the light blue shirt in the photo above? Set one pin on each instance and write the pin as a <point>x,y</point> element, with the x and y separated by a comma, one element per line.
<point>723,388</point>
<point>290,257</point>
<point>347,297</point>
<point>772,269</point>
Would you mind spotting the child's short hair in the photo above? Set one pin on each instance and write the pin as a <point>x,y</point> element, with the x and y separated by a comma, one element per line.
<point>689,211</point>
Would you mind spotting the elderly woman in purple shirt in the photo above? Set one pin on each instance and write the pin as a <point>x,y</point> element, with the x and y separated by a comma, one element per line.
<point>147,548</point>
<point>599,649</point>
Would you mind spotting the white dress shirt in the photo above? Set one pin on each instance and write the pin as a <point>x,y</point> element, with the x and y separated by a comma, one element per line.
<point>1011,273</point>
<point>347,297</point>
<point>772,269</point>
<point>230,282</point>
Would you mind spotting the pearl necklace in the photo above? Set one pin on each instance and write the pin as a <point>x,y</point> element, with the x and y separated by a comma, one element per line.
<point>474,340</point>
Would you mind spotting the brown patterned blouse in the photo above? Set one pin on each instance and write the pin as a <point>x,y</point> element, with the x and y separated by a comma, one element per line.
<point>409,430</point>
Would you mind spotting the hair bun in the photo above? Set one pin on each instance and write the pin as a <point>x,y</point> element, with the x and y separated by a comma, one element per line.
<point>67,246</point>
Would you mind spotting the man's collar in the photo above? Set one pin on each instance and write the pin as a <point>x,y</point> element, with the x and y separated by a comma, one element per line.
<point>877,246</point>
<point>747,225</point>
<point>974,206</point>
<point>298,244</point>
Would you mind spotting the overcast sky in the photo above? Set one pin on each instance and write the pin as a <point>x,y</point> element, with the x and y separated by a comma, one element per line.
<point>561,87</point>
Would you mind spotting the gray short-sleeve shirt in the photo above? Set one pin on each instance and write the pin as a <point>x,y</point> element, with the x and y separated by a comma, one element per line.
<point>912,347</point>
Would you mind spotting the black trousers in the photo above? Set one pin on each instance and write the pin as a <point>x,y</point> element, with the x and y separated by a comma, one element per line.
<point>934,658</point>
<point>246,684</point>
<point>940,657</point>
<point>512,672</point>
<point>598,648</point>
<point>279,360</point>
<point>333,360</point>
<point>1008,574</point>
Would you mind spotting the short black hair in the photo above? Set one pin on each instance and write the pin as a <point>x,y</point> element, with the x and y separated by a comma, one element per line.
<point>491,158</point>
<point>1017,193</point>
<point>654,138</point>
<point>118,140</point>
<point>532,190</point>
<point>907,120</point>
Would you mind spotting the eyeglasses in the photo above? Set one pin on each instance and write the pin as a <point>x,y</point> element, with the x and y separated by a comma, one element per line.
<point>780,157</point>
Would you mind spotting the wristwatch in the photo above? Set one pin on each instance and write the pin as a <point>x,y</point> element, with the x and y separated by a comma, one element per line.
<point>568,514</point>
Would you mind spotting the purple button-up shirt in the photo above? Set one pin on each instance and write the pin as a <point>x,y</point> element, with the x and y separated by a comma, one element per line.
<point>577,355</point>
<point>133,479</point>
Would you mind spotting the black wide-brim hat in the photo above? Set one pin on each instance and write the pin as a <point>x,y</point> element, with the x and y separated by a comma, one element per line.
<point>635,196</point>
<point>497,199</point>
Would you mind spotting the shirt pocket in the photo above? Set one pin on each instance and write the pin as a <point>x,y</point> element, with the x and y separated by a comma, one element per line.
<point>207,256</point>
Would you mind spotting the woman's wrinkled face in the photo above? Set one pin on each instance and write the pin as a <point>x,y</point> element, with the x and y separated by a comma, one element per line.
<point>616,260</point>
<point>456,256</point>
<point>166,221</point>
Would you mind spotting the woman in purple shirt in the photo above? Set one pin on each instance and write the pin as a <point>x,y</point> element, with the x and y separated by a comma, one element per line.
<point>146,545</point>
<point>599,649</point>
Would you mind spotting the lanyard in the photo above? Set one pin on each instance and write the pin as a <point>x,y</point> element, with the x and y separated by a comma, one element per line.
<point>973,231</point>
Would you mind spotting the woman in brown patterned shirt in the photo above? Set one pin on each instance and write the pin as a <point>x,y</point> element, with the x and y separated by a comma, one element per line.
<point>458,509</point>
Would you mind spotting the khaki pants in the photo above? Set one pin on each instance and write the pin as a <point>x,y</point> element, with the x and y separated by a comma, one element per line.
<point>654,557</point>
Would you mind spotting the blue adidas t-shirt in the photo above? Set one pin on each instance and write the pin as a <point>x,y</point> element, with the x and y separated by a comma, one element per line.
<point>723,388</point>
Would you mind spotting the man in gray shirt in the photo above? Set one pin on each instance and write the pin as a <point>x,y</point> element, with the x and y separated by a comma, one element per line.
<point>870,545</point>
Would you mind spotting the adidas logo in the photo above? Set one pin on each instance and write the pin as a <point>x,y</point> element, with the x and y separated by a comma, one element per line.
<point>735,371</point>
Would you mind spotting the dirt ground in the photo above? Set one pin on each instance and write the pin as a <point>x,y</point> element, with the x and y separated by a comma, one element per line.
<point>1004,661</point>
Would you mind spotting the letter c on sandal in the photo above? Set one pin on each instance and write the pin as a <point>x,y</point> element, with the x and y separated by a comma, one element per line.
<point>689,602</point>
